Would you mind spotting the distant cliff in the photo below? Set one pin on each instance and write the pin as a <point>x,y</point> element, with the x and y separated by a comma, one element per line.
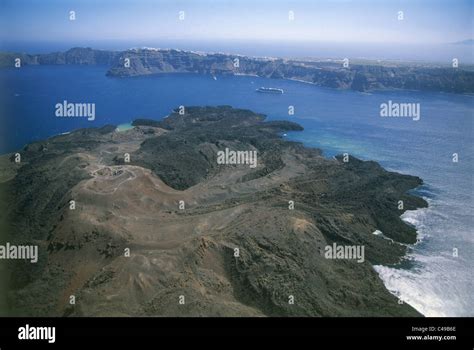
<point>86,56</point>
<point>359,77</point>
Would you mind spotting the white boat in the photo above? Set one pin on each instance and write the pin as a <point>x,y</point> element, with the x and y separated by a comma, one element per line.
<point>270,90</point>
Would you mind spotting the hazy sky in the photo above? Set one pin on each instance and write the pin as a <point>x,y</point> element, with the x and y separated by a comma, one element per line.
<point>425,21</point>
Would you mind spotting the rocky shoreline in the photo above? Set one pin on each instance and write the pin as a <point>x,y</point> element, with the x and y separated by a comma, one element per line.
<point>157,192</point>
<point>326,73</point>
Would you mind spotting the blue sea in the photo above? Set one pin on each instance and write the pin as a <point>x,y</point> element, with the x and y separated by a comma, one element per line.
<point>436,282</point>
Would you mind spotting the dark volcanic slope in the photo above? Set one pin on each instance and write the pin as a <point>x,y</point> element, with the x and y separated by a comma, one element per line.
<point>190,252</point>
<point>359,77</point>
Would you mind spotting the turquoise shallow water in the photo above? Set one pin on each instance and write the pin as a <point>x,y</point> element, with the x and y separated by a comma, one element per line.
<point>437,283</point>
<point>124,127</point>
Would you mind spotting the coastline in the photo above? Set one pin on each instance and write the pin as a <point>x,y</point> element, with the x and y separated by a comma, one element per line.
<point>358,77</point>
<point>382,272</point>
